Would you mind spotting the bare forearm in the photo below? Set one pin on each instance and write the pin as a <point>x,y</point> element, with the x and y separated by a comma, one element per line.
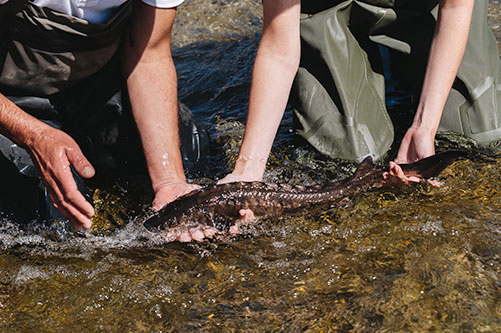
<point>446,53</point>
<point>16,124</point>
<point>276,64</point>
<point>153,93</point>
<point>152,85</point>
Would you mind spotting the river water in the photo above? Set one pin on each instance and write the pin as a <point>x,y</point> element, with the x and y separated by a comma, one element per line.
<point>413,259</point>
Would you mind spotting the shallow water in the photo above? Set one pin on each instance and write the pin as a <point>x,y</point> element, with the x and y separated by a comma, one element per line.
<point>414,259</point>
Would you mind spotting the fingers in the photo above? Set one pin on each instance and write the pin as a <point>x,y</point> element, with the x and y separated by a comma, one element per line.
<point>234,229</point>
<point>246,215</point>
<point>246,218</point>
<point>53,157</point>
<point>80,162</point>
<point>434,182</point>
<point>67,193</point>
<point>76,218</point>
<point>184,235</point>
<point>69,201</point>
<point>396,176</point>
<point>233,178</point>
<point>64,193</point>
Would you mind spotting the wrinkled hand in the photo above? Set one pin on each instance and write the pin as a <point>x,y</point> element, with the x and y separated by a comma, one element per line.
<point>416,145</point>
<point>53,152</point>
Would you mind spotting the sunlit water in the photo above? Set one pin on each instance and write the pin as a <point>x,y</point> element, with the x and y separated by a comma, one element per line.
<point>414,259</point>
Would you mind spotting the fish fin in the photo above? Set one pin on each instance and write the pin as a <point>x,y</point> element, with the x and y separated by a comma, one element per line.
<point>432,166</point>
<point>153,223</point>
<point>367,164</point>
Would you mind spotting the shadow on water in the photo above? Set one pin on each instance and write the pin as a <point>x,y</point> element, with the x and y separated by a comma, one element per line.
<point>413,259</point>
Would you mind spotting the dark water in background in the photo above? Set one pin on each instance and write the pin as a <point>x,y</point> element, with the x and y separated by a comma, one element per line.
<point>416,259</point>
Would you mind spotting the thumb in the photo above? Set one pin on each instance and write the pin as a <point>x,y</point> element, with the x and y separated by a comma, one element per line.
<point>80,162</point>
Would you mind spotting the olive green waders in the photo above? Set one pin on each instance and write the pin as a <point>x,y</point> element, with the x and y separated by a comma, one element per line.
<point>339,92</point>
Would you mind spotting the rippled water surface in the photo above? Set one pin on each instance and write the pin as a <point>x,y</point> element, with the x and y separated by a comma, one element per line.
<point>414,259</point>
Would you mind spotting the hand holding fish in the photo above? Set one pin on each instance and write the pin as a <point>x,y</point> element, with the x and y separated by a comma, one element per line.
<point>170,190</point>
<point>395,175</point>
<point>417,144</point>
<point>245,215</point>
<point>216,206</point>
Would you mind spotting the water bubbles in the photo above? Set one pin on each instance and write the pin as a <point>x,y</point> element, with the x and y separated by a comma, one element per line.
<point>429,227</point>
<point>326,229</point>
<point>279,245</point>
<point>28,272</point>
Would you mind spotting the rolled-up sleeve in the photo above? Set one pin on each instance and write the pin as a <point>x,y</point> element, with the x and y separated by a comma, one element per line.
<point>163,3</point>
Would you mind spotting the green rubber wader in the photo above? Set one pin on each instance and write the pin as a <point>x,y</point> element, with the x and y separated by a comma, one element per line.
<point>339,91</point>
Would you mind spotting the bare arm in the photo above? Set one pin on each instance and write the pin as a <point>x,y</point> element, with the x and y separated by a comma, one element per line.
<point>276,65</point>
<point>152,84</point>
<point>52,152</point>
<point>446,53</point>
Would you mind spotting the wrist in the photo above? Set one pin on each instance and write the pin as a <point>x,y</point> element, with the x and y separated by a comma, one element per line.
<point>426,121</point>
<point>167,181</point>
<point>165,169</point>
<point>424,128</point>
<point>250,167</point>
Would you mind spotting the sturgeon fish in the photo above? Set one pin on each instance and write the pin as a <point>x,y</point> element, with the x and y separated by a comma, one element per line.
<point>219,205</point>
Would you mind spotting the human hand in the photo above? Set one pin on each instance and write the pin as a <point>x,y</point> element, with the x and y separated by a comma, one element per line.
<point>233,178</point>
<point>246,216</point>
<point>245,171</point>
<point>395,175</point>
<point>199,233</point>
<point>417,144</point>
<point>169,190</point>
<point>53,153</point>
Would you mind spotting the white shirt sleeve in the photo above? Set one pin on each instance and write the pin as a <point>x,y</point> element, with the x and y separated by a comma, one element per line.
<point>162,3</point>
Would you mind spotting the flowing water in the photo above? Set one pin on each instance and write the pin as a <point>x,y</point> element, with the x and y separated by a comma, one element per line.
<point>413,259</point>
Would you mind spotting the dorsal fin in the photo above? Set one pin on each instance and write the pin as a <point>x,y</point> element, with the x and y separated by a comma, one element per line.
<point>367,164</point>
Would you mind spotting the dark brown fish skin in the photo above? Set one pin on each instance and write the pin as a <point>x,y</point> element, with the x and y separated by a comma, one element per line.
<point>218,205</point>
